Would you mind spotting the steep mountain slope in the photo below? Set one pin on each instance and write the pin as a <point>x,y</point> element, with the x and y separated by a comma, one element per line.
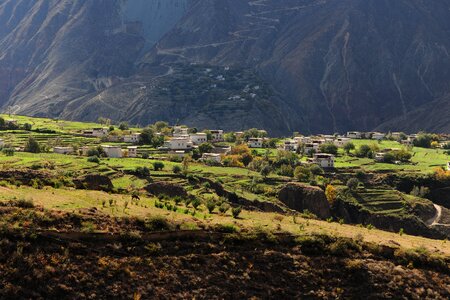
<point>325,65</point>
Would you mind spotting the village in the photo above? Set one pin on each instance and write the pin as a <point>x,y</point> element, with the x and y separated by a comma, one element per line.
<point>215,146</point>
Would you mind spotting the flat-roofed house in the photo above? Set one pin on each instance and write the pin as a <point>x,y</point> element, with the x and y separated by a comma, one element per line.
<point>354,135</point>
<point>133,138</point>
<point>324,160</point>
<point>63,150</point>
<point>198,138</point>
<point>255,142</point>
<point>132,151</point>
<point>178,143</point>
<point>217,136</point>
<point>212,157</point>
<point>112,151</point>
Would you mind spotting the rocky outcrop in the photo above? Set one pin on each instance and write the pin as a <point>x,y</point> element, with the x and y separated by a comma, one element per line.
<point>166,188</point>
<point>94,182</point>
<point>301,197</point>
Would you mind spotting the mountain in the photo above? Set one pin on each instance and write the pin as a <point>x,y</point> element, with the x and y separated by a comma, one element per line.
<point>283,65</point>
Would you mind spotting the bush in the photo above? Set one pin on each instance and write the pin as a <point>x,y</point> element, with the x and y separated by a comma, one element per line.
<point>142,171</point>
<point>32,146</point>
<point>303,174</point>
<point>145,155</point>
<point>353,184</point>
<point>210,205</point>
<point>93,159</point>
<point>158,165</point>
<point>329,148</point>
<point>8,151</point>
<point>236,211</point>
<point>176,169</point>
<point>157,223</point>
<point>224,207</point>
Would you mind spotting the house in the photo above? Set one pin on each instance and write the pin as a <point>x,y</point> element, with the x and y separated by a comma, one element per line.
<point>290,145</point>
<point>239,134</point>
<point>217,136</point>
<point>342,141</point>
<point>255,142</point>
<point>221,149</point>
<point>112,151</point>
<point>302,139</point>
<point>324,160</point>
<point>354,135</point>
<point>132,151</point>
<point>379,156</point>
<point>63,150</point>
<point>198,138</point>
<point>178,143</point>
<point>378,136</point>
<point>397,135</point>
<point>178,153</point>
<point>133,138</point>
<point>212,157</point>
<point>179,131</point>
<point>96,132</point>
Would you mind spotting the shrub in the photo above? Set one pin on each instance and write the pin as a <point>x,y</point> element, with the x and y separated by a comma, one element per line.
<point>236,211</point>
<point>353,184</point>
<point>224,207</point>
<point>225,228</point>
<point>210,205</point>
<point>8,151</point>
<point>195,203</point>
<point>176,169</point>
<point>303,174</point>
<point>157,223</point>
<point>93,159</point>
<point>329,148</point>
<point>145,155</point>
<point>316,170</point>
<point>32,146</point>
<point>330,193</point>
<point>142,171</point>
<point>158,165</point>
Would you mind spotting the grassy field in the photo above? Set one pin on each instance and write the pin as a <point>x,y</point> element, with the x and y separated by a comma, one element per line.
<point>423,160</point>
<point>73,200</point>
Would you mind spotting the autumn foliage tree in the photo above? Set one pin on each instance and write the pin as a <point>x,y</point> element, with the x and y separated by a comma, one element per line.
<point>330,193</point>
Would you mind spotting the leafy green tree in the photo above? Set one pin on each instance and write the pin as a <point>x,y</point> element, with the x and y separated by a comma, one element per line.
<point>124,126</point>
<point>329,148</point>
<point>265,171</point>
<point>205,148</point>
<point>349,147</point>
<point>158,165</point>
<point>303,174</point>
<point>32,146</point>
<point>353,184</point>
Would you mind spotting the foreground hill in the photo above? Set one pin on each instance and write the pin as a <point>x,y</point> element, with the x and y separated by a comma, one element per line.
<point>325,65</point>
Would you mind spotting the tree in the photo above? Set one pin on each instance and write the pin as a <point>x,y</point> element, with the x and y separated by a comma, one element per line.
<point>423,140</point>
<point>185,164</point>
<point>27,126</point>
<point>160,125</point>
<point>32,146</point>
<point>210,205</point>
<point>265,171</point>
<point>236,211</point>
<point>329,148</point>
<point>316,170</point>
<point>330,193</point>
<point>363,151</point>
<point>230,137</point>
<point>124,126</point>
<point>303,174</point>
<point>176,169</point>
<point>205,148</point>
<point>434,144</point>
<point>352,184</point>
<point>158,165</point>
<point>349,147</point>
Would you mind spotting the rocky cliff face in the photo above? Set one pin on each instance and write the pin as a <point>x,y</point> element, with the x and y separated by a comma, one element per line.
<point>326,65</point>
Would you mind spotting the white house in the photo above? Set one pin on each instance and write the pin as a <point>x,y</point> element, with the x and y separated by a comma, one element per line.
<point>217,136</point>
<point>178,143</point>
<point>324,160</point>
<point>97,132</point>
<point>378,136</point>
<point>133,138</point>
<point>341,142</point>
<point>354,134</point>
<point>255,142</point>
<point>290,145</point>
<point>212,156</point>
<point>198,138</point>
<point>112,151</point>
<point>179,131</point>
<point>132,151</point>
<point>63,150</point>
<point>379,157</point>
